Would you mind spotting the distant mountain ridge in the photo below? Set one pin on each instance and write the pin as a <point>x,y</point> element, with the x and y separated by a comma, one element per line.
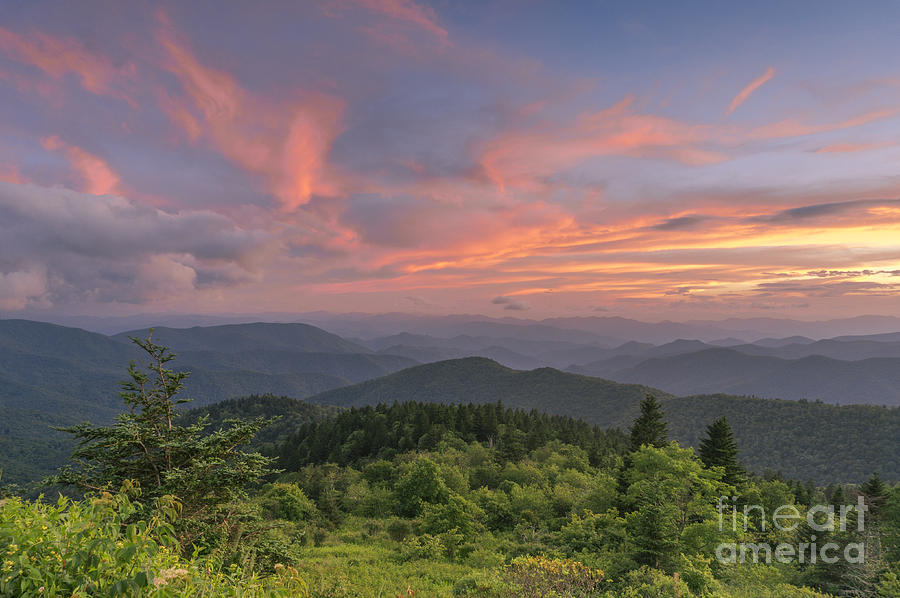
<point>758,371</point>
<point>608,330</point>
<point>234,338</point>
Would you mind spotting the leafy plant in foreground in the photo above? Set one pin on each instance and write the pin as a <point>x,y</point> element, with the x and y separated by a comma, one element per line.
<point>93,548</point>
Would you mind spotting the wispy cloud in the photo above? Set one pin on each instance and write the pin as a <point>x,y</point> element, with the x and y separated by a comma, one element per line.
<point>858,208</point>
<point>847,148</point>
<point>404,11</point>
<point>287,145</point>
<point>524,158</point>
<point>799,128</point>
<point>60,56</point>
<point>510,303</point>
<point>97,177</point>
<point>745,93</point>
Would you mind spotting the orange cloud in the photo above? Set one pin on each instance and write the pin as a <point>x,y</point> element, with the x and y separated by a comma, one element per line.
<point>60,56</point>
<point>96,175</point>
<point>745,93</point>
<point>643,252</point>
<point>286,145</point>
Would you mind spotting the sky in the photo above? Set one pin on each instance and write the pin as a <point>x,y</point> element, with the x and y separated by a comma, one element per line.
<point>521,158</point>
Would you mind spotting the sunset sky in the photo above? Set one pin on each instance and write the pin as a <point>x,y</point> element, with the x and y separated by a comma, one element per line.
<point>527,158</point>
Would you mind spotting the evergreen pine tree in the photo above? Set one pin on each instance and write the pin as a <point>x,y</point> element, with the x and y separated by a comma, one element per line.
<point>719,449</point>
<point>653,542</point>
<point>147,446</point>
<point>875,492</point>
<point>650,427</point>
<point>837,498</point>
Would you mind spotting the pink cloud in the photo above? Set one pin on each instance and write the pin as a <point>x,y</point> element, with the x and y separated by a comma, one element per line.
<point>287,145</point>
<point>404,11</point>
<point>798,128</point>
<point>9,173</point>
<point>745,93</point>
<point>521,158</point>
<point>61,56</point>
<point>97,177</point>
<point>845,148</point>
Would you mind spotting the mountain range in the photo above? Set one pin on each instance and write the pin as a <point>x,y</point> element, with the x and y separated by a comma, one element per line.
<point>52,375</point>
<point>612,329</point>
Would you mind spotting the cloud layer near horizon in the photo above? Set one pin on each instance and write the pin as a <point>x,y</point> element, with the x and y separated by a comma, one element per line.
<point>351,154</point>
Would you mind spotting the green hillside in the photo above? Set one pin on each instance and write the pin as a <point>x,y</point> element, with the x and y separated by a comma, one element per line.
<point>480,380</point>
<point>804,440</point>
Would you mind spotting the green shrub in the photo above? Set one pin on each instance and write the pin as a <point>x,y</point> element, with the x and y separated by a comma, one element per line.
<point>319,535</point>
<point>537,577</point>
<point>426,547</point>
<point>288,502</point>
<point>90,548</point>
<point>420,485</point>
<point>652,583</point>
<point>484,558</point>
<point>371,528</point>
<point>479,586</point>
<point>378,501</point>
<point>456,514</point>
<point>764,581</point>
<point>889,586</point>
<point>399,529</point>
<point>697,574</point>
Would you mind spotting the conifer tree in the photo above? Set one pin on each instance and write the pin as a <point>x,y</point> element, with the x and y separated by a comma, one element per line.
<point>146,445</point>
<point>719,449</point>
<point>649,428</point>
<point>837,498</point>
<point>875,492</point>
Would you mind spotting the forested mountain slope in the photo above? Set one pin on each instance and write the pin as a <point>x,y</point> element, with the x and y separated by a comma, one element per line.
<point>802,439</point>
<point>480,380</point>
